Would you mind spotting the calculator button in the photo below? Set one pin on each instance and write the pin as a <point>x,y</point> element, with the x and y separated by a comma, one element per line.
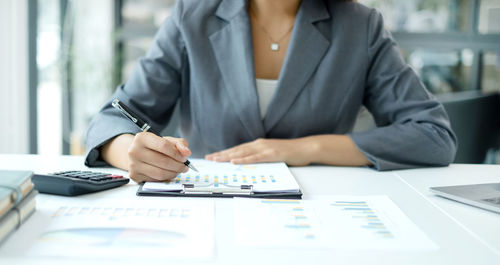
<point>99,175</point>
<point>116,176</point>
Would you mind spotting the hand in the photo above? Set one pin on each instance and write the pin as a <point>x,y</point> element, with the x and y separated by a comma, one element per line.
<point>155,158</point>
<point>293,152</point>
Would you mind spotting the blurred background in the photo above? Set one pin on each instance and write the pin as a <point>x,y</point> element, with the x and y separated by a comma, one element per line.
<point>79,51</point>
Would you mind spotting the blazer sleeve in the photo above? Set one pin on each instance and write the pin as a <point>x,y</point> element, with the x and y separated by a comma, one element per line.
<point>152,90</point>
<point>413,128</point>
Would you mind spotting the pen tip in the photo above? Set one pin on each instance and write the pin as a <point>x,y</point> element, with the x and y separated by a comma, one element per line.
<point>193,168</point>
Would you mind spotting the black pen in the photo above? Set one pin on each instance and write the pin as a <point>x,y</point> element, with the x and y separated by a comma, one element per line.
<point>129,114</point>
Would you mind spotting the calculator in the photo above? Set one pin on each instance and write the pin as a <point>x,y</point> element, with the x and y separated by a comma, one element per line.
<point>72,183</point>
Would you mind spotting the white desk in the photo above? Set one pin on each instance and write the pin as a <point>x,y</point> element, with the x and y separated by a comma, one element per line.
<point>466,235</point>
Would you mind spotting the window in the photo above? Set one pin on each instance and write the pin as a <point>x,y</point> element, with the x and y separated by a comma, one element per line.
<point>139,22</point>
<point>491,73</point>
<point>423,15</point>
<point>49,88</point>
<point>442,71</point>
<point>489,17</point>
<point>89,35</point>
<point>452,44</point>
<point>75,70</point>
<point>14,86</point>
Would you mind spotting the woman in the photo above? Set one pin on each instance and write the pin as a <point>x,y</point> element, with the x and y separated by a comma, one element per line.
<point>272,80</point>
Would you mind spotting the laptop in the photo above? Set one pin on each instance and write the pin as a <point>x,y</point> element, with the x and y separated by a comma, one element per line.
<point>485,196</point>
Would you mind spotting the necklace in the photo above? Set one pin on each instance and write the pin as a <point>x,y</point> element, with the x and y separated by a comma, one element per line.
<point>275,44</point>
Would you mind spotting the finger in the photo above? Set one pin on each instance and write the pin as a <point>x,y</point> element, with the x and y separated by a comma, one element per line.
<point>228,150</point>
<point>251,159</point>
<point>177,140</point>
<point>184,142</point>
<point>161,145</point>
<point>183,149</point>
<point>221,157</point>
<point>181,144</point>
<point>153,172</point>
<point>212,155</point>
<point>226,157</point>
<point>237,152</point>
<point>162,161</point>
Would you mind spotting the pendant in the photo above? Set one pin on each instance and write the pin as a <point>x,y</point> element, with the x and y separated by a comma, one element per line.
<point>275,47</point>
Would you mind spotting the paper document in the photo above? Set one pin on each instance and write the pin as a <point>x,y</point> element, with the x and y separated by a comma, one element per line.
<point>264,177</point>
<point>129,229</point>
<point>278,223</point>
<point>344,222</point>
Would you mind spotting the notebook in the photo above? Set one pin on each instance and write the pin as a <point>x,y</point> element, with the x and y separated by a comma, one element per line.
<point>14,185</point>
<point>17,215</point>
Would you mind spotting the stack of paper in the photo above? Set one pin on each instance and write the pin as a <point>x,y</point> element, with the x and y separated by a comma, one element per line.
<point>17,200</point>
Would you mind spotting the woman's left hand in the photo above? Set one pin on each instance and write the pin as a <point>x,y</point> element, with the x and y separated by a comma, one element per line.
<point>293,152</point>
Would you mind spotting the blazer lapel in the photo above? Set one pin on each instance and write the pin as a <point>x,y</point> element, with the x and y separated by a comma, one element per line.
<point>233,49</point>
<point>306,49</point>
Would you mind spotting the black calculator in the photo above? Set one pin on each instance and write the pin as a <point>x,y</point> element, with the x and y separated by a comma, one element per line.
<point>71,183</point>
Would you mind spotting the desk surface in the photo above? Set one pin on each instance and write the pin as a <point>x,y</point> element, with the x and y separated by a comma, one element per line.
<point>465,234</point>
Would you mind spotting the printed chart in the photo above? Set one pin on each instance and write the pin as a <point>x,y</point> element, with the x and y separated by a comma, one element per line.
<point>266,177</point>
<point>128,229</point>
<point>345,222</point>
<point>280,223</point>
<point>373,222</point>
<point>364,217</point>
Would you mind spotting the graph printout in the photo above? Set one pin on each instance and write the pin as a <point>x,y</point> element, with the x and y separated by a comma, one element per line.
<point>264,177</point>
<point>129,229</point>
<point>277,223</point>
<point>344,222</point>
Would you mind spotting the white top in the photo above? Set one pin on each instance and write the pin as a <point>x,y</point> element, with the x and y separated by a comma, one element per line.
<point>265,91</point>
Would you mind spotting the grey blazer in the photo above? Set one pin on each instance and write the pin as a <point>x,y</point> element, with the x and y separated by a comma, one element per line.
<point>339,59</point>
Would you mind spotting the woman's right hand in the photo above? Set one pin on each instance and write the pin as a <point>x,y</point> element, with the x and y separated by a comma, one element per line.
<point>149,157</point>
<point>155,158</point>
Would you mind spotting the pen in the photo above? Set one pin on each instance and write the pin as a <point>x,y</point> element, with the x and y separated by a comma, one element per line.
<point>129,114</point>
